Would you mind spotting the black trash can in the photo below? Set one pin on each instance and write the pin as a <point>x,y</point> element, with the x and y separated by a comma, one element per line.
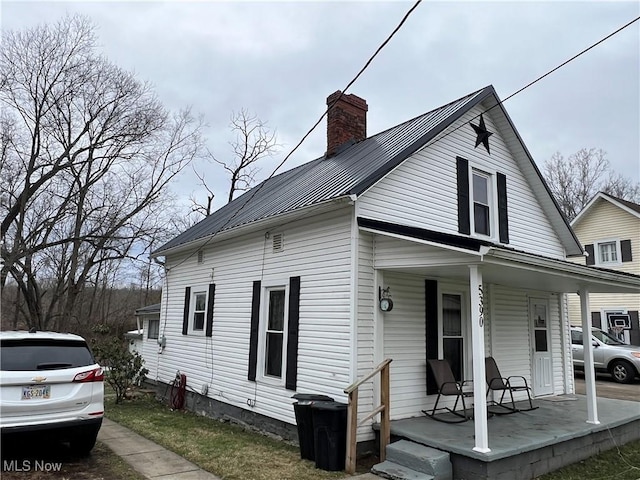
<point>330,434</point>
<point>304,421</point>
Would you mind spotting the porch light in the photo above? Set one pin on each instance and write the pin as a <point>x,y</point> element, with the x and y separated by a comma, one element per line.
<point>384,296</point>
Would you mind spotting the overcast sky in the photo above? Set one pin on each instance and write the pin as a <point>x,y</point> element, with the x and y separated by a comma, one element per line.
<point>281,60</point>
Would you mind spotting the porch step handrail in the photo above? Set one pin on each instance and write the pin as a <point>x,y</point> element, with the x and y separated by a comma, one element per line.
<point>382,409</point>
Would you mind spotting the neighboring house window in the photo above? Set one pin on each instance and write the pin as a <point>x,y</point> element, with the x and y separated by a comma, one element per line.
<point>608,252</point>
<point>452,333</point>
<point>576,337</point>
<point>153,328</point>
<point>481,203</point>
<point>274,334</point>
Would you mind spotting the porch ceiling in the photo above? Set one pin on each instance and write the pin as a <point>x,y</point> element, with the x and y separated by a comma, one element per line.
<point>517,269</point>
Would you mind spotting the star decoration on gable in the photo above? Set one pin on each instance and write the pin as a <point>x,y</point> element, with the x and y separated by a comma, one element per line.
<point>482,134</point>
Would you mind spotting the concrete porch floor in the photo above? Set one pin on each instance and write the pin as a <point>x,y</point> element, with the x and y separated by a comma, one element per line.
<point>542,440</point>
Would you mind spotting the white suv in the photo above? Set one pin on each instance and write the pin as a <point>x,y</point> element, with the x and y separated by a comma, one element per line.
<point>50,384</point>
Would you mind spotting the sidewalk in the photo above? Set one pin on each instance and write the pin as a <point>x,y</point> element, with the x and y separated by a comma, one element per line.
<point>156,462</point>
<point>148,458</point>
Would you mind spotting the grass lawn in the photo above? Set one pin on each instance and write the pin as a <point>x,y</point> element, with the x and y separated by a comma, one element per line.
<point>233,453</point>
<point>223,449</point>
<point>615,464</point>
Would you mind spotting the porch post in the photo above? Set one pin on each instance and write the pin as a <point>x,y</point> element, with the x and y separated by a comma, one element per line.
<point>478,354</point>
<point>589,373</point>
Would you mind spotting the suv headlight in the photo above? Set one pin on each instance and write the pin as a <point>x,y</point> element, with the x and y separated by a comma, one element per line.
<point>636,354</point>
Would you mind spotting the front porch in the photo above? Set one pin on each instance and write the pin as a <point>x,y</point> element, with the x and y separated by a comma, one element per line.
<point>525,445</point>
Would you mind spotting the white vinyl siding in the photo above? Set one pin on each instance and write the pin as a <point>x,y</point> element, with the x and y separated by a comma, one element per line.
<point>404,342</point>
<point>317,250</point>
<point>422,191</point>
<point>366,331</point>
<point>149,350</point>
<point>510,331</point>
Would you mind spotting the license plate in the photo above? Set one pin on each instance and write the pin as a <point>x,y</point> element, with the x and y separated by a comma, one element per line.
<point>34,392</point>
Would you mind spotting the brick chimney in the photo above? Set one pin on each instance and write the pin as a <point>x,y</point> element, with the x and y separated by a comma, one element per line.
<point>346,121</point>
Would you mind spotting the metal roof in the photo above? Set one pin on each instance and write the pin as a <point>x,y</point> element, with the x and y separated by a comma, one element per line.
<point>352,171</point>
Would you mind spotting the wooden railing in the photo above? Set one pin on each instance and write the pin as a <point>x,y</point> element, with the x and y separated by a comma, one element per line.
<point>382,409</point>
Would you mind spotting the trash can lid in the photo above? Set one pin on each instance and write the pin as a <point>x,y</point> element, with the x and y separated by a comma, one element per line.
<point>332,405</point>
<point>312,397</point>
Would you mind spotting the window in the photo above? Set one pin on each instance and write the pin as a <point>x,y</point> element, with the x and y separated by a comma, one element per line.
<point>452,338</point>
<point>153,328</point>
<point>274,337</point>
<point>199,311</point>
<point>576,337</point>
<point>608,252</point>
<point>481,203</point>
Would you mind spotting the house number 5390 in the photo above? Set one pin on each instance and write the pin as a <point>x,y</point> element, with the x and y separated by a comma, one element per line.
<point>481,306</point>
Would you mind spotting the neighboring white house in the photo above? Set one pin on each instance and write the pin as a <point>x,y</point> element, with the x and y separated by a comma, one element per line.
<point>447,214</point>
<point>134,337</point>
<point>609,229</point>
<point>148,320</point>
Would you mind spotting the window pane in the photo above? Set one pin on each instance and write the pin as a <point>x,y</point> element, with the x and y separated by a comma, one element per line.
<point>608,252</point>
<point>452,350</point>
<point>198,320</point>
<point>276,310</point>
<point>480,191</point>
<point>576,337</point>
<point>201,301</point>
<point>22,355</point>
<point>273,360</point>
<point>541,340</point>
<point>481,219</point>
<point>451,315</point>
<point>154,327</point>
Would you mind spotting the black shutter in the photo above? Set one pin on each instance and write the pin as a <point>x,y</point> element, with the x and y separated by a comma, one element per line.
<point>431,330</point>
<point>185,315</point>
<point>625,248</point>
<point>634,333</point>
<point>210,302</point>
<point>253,339</point>
<point>591,259</point>
<point>596,321</point>
<point>464,220</point>
<point>503,217</point>
<point>292,337</point>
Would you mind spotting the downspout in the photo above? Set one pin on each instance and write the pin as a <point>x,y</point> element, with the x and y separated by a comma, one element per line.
<point>353,309</point>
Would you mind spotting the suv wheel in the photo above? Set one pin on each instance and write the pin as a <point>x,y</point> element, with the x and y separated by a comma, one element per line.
<point>622,372</point>
<point>83,441</point>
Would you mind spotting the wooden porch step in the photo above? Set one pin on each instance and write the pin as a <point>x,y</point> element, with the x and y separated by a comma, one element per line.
<point>394,471</point>
<point>421,458</point>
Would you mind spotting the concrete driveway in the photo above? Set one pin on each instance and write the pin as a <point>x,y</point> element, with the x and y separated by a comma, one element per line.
<point>606,387</point>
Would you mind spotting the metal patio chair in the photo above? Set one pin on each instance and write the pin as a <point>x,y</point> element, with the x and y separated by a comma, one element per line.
<point>448,386</point>
<point>498,383</point>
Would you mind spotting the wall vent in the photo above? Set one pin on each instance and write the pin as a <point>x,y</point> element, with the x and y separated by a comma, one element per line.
<point>278,242</point>
<point>200,256</point>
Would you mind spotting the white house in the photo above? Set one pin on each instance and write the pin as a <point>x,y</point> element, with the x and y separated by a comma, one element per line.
<point>446,214</point>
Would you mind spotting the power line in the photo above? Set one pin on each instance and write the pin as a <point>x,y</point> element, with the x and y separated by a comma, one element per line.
<point>566,62</point>
<point>406,16</point>
<point>254,191</point>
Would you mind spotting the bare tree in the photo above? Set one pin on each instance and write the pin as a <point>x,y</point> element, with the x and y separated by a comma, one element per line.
<point>575,180</point>
<point>87,157</point>
<point>253,141</point>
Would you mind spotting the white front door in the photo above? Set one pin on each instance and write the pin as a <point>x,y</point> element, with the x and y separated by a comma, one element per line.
<point>541,345</point>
